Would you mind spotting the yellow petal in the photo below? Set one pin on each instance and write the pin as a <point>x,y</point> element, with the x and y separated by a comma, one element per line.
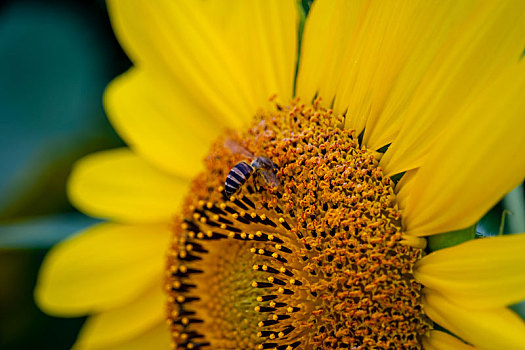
<point>387,35</point>
<point>160,122</point>
<point>125,322</point>
<point>404,186</point>
<point>484,43</point>
<point>117,184</point>
<point>194,46</point>
<point>264,37</point>
<point>329,29</point>
<point>437,340</point>
<point>482,273</point>
<point>155,338</point>
<point>475,162</point>
<point>497,329</point>
<point>104,267</point>
<point>371,59</point>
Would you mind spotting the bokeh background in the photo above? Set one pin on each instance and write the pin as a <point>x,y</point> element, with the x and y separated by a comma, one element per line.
<point>56,57</point>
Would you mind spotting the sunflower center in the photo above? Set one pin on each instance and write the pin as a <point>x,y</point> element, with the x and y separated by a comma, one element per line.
<point>301,247</point>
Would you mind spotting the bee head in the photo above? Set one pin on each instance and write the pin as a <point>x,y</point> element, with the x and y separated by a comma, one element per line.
<point>263,163</point>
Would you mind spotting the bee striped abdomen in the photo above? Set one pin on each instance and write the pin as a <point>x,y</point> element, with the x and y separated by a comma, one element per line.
<point>237,176</point>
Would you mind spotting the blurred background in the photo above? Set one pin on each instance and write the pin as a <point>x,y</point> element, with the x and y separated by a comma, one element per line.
<point>56,57</point>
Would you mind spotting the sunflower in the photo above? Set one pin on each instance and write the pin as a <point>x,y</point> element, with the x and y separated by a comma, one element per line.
<point>332,155</point>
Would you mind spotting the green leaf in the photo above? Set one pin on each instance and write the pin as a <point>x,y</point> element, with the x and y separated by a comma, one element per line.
<point>450,239</point>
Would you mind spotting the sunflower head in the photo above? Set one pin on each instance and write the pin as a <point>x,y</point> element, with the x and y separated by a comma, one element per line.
<point>318,261</point>
<point>297,236</point>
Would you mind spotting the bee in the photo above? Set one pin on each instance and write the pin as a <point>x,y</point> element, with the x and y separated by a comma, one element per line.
<point>242,171</point>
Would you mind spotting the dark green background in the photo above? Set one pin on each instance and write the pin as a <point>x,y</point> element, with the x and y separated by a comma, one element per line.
<point>56,57</point>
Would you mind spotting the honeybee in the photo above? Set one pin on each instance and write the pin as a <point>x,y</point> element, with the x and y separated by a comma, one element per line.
<point>242,171</point>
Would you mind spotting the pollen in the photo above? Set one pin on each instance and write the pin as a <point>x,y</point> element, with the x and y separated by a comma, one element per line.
<point>318,261</point>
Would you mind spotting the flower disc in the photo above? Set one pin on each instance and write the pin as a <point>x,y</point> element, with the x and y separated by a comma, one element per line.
<point>317,261</point>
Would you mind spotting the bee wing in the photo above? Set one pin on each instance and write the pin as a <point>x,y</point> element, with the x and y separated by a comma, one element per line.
<point>234,147</point>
